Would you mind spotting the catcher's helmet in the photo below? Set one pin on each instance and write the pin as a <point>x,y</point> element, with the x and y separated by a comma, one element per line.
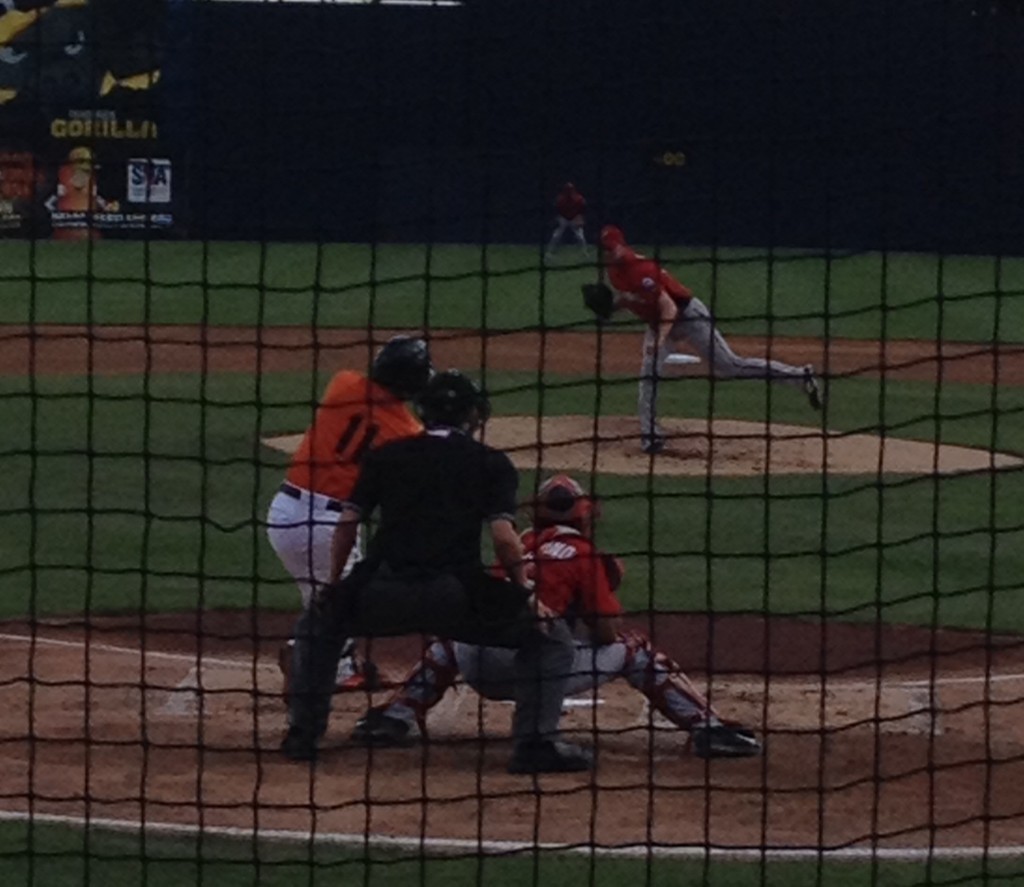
<point>402,366</point>
<point>561,500</point>
<point>611,236</point>
<point>453,400</point>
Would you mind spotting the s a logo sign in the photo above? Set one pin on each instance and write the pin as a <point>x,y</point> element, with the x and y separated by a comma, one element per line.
<point>149,180</point>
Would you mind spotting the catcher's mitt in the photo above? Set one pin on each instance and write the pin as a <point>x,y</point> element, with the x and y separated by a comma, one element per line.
<point>599,298</point>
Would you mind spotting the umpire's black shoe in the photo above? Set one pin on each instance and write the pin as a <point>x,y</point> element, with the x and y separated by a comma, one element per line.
<point>724,741</point>
<point>379,728</point>
<point>547,756</point>
<point>298,745</point>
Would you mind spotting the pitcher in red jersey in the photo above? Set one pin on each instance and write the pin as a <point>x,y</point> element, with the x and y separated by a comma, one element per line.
<point>674,314</point>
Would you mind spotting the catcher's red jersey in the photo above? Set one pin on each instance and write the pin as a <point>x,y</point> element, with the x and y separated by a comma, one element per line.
<point>640,281</point>
<point>570,573</point>
<point>354,416</point>
<point>570,204</point>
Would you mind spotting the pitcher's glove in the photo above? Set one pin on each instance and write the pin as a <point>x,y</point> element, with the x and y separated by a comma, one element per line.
<point>600,299</point>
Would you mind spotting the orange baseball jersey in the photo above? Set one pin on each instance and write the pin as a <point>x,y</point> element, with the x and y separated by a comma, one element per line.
<point>355,415</point>
<point>570,203</point>
<point>640,281</point>
<point>569,573</point>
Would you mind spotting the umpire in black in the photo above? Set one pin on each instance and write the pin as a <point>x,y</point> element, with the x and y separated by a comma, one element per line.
<point>423,574</point>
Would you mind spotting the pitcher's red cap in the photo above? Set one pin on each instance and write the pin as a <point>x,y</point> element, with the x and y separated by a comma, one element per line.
<point>611,237</point>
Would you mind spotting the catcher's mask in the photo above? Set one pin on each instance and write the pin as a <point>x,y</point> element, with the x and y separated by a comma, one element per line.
<point>561,500</point>
<point>402,366</point>
<point>453,400</point>
<point>611,237</point>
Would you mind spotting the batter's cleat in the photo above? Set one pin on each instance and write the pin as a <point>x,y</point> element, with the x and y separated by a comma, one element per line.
<point>354,674</point>
<point>812,388</point>
<point>724,741</point>
<point>380,729</point>
<point>652,444</point>
<point>548,756</point>
<point>298,745</point>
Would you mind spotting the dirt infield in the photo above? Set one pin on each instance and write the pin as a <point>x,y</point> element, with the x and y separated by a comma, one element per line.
<point>891,742</point>
<point>48,349</point>
<point>908,736</point>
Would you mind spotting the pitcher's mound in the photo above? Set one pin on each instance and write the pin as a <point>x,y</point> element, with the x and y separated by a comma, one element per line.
<point>723,446</point>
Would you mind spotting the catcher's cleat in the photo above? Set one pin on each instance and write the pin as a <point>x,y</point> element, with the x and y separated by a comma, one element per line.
<point>378,728</point>
<point>812,388</point>
<point>724,741</point>
<point>354,674</point>
<point>547,756</point>
<point>298,745</point>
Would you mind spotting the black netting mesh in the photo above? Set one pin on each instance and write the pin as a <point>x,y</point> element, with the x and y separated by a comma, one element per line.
<point>791,453</point>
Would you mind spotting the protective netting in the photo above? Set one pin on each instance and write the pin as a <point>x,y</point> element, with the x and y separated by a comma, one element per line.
<point>795,437</point>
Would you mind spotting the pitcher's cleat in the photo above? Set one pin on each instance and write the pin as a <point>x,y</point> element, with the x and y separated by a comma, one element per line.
<point>812,388</point>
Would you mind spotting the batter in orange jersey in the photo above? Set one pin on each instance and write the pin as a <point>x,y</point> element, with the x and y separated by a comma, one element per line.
<point>355,415</point>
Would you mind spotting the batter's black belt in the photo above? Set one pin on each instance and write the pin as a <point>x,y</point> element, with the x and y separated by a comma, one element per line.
<point>296,493</point>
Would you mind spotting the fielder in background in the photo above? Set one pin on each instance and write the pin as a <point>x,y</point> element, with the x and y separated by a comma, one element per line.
<point>355,415</point>
<point>673,314</point>
<point>577,581</point>
<point>423,574</point>
<point>570,207</point>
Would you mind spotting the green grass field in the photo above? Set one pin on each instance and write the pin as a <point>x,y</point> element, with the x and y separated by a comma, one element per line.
<point>132,493</point>
<point>51,855</point>
<point>867,295</point>
<point>127,493</point>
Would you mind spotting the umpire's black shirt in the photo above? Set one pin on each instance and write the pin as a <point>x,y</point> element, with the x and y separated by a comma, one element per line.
<point>434,492</point>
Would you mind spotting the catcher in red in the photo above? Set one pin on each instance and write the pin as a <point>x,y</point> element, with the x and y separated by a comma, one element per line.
<point>673,314</point>
<point>575,579</point>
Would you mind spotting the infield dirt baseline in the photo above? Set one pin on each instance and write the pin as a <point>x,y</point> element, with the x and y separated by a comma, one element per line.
<point>178,687</point>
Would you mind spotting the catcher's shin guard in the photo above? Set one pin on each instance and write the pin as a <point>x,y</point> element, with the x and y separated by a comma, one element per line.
<point>426,683</point>
<point>664,683</point>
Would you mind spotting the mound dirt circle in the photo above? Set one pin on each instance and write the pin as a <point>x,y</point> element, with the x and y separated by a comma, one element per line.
<point>696,447</point>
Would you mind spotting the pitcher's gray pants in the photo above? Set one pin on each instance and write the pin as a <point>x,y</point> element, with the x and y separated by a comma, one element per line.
<point>696,326</point>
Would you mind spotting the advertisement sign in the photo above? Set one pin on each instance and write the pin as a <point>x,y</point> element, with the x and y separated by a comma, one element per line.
<point>81,149</point>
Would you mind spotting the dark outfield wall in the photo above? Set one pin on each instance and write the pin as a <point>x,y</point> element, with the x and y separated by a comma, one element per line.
<point>803,122</point>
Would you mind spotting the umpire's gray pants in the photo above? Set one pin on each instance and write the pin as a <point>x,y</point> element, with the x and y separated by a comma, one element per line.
<point>475,608</point>
<point>696,326</point>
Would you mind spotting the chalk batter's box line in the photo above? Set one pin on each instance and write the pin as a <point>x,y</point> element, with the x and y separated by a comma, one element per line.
<point>248,664</point>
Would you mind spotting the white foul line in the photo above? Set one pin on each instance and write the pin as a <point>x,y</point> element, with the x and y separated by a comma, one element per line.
<point>462,845</point>
<point>193,659</point>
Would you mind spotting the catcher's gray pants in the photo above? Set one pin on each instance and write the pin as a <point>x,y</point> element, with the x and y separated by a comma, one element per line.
<point>476,608</point>
<point>696,326</point>
<point>490,671</point>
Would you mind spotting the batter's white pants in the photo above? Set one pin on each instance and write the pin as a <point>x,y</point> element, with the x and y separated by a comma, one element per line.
<point>696,326</point>
<point>300,532</point>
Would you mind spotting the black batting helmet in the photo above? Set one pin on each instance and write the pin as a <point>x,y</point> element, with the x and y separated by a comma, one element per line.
<point>453,400</point>
<point>402,366</point>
